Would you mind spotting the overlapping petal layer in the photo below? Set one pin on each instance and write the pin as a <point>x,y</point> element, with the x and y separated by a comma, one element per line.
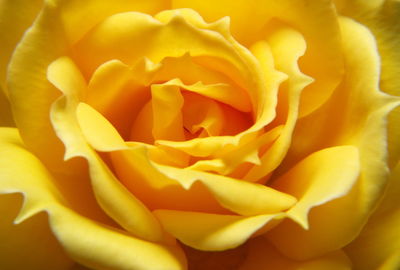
<point>263,255</point>
<point>381,17</point>
<point>123,88</point>
<point>381,235</point>
<point>82,238</point>
<point>317,22</point>
<point>360,123</point>
<point>212,232</point>
<point>106,187</point>
<point>16,17</point>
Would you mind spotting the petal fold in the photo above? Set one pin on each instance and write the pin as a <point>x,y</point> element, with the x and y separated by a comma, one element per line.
<point>212,232</point>
<point>30,239</point>
<point>238,196</point>
<point>262,255</point>
<point>91,243</point>
<point>16,17</point>
<point>378,245</point>
<point>323,176</point>
<point>101,135</point>
<point>361,123</point>
<point>111,195</point>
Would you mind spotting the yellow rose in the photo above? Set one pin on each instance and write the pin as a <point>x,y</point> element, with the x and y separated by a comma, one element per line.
<point>189,134</point>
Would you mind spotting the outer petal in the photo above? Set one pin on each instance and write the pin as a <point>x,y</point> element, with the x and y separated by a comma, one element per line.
<point>382,18</point>
<point>59,24</point>
<point>90,243</point>
<point>16,16</point>
<point>323,176</point>
<point>31,240</point>
<point>360,123</point>
<point>379,242</point>
<point>262,255</point>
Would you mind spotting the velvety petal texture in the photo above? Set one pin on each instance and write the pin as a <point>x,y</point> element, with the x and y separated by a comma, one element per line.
<point>366,137</point>
<point>16,17</point>
<point>381,17</point>
<point>69,227</point>
<point>186,134</point>
<point>381,235</point>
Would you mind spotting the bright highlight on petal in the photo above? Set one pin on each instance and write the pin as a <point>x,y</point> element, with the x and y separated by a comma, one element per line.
<point>212,232</point>
<point>99,133</point>
<point>361,123</point>
<point>319,178</point>
<point>256,123</point>
<point>86,241</point>
<point>238,196</point>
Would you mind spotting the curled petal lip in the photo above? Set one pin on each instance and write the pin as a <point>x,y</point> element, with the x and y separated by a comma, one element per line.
<point>68,108</point>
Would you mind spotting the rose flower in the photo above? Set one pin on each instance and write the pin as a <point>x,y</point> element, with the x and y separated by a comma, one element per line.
<point>191,134</point>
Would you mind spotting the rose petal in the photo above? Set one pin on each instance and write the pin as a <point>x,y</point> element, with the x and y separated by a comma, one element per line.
<point>106,248</point>
<point>316,182</point>
<point>317,21</point>
<point>45,42</point>
<point>167,103</point>
<point>210,47</point>
<point>286,46</point>
<point>6,118</point>
<point>16,17</point>
<point>116,201</point>
<point>101,135</point>
<point>321,177</point>
<point>262,255</point>
<point>158,181</point>
<point>31,108</point>
<point>116,34</point>
<point>203,115</point>
<point>189,72</point>
<point>381,17</point>
<point>95,11</point>
<point>361,122</point>
<point>238,196</point>
<point>117,90</point>
<point>138,174</point>
<point>212,232</point>
<point>227,162</point>
<point>31,239</point>
<point>220,92</point>
<point>379,241</point>
<point>90,243</point>
<point>392,262</point>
